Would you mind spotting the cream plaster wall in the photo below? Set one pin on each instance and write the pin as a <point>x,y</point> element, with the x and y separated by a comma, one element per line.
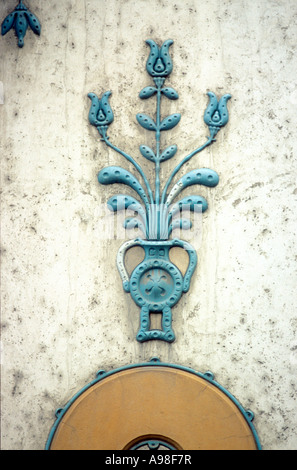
<point>64,313</point>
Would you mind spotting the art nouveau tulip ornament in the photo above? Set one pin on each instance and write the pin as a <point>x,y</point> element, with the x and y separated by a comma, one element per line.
<point>156,284</point>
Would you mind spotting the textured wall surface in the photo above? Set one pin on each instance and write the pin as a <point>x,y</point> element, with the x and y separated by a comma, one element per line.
<point>64,313</point>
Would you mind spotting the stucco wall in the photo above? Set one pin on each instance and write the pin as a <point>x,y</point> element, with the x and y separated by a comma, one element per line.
<point>64,313</point>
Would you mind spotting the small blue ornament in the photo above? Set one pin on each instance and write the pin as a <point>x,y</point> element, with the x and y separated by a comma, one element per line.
<point>19,20</point>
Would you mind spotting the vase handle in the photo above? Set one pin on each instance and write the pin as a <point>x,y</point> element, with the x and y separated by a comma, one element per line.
<point>192,261</point>
<point>121,262</point>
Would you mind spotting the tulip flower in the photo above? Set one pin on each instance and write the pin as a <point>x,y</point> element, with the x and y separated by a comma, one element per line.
<point>159,63</point>
<point>19,20</point>
<point>216,114</point>
<point>100,114</point>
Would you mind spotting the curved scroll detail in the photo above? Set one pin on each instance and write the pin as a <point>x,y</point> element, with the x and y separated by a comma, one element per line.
<point>202,176</point>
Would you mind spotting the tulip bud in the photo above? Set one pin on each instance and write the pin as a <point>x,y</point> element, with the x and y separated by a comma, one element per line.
<point>216,114</point>
<point>159,63</point>
<point>100,114</point>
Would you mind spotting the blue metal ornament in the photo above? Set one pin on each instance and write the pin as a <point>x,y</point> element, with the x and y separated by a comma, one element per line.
<point>19,20</point>
<point>156,284</point>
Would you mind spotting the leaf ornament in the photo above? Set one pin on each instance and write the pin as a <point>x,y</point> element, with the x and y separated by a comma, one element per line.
<point>146,122</point>
<point>147,153</point>
<point>168,153</point>
<point>170,93</point>
<point>147,92</point>
<point>19,20</point>
<point>170,121</point>
<point>197,204</point>
<point>191,203</point>
<point>123,202</point>
<point>202,176</point>
<point>116,174</point>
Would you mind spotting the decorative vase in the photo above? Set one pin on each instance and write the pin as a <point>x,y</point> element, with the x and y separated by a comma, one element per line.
<point>156,284</point>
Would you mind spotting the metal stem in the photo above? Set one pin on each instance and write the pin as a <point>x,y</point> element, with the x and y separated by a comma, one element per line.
<point>178,167</point>
<point>159,84</point>
<point>136,165</point>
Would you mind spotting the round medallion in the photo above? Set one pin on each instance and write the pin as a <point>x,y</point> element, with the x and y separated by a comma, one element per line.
<point>156,284</point>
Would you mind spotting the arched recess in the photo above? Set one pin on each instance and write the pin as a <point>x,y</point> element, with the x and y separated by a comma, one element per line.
<point>151,406</point>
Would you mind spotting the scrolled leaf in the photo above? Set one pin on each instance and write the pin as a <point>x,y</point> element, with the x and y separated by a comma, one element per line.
<point>170,121</point>
<point>202,176</point>
<point>116,174</point>
<point>121,202</point>
<point>146,122</point>
<point>190,203</point>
